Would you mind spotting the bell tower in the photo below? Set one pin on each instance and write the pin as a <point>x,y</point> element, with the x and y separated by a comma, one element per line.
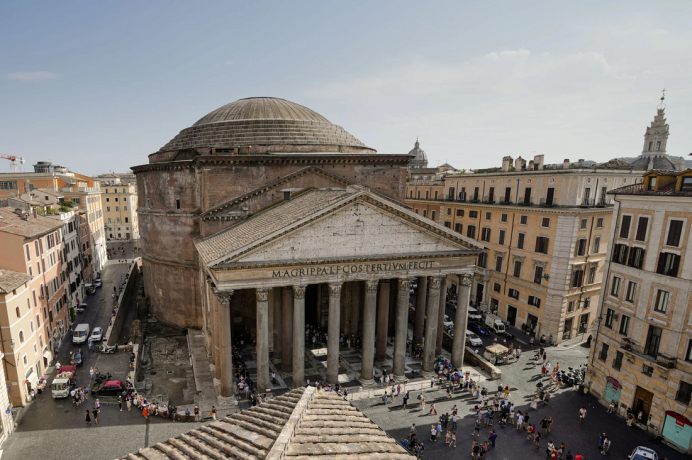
<point>656,135</point>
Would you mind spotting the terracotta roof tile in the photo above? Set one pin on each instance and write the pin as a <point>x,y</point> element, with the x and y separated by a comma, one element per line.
<point>11,222</point>
<point>10,280</point>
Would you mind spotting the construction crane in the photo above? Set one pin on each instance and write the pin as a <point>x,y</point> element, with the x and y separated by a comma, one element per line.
<point>14,161</point>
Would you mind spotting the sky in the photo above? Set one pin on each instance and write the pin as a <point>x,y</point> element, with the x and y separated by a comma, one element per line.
<point>98,86</point>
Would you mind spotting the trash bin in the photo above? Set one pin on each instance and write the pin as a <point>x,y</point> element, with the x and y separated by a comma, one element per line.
<point>268,392</point>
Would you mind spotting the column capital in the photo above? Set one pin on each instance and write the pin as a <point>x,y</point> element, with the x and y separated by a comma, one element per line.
<point>224,296</point>
<point>434,282</point>
<point>465,280</point>
<point>262,294</point>
<point>371,286</point>
<point>299,292</point>
<point>404,283</point>
<point>334,290</point>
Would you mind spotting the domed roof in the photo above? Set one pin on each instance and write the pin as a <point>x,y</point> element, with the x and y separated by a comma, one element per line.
<point>266,125</point>
<point>420,159</point>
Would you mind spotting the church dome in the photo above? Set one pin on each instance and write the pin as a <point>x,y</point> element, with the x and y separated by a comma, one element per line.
<point>420,159</point>
<point>266,125</point>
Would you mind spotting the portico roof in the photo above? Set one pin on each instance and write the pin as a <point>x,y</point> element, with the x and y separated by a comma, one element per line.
<point>358,218</point>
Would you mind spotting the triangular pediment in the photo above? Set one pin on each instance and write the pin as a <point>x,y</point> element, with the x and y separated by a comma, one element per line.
<point>250,202</point>
<point>348,225</point>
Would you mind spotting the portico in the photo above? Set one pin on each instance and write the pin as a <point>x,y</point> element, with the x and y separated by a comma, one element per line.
<point>341,250</point>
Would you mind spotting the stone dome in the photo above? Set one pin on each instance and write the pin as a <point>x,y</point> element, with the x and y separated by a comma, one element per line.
<point>266,125</point>
<point>420,159</point>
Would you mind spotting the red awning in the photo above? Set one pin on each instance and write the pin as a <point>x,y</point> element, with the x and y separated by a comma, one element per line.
<point>679,419</point>
<point>615,383</point>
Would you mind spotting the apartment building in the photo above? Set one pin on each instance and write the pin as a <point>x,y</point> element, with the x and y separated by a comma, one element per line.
<point>119,204</point>
<point>73,258</point>
<point>49,182</point>
<point>642,354</point>
<point>545,230</point>
<point>34,314</point>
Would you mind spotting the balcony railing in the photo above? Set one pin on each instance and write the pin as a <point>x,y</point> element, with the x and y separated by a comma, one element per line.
<point>603,202</point>
<point>544,202</point>
<point>489,199</point>
<point>525,203</point>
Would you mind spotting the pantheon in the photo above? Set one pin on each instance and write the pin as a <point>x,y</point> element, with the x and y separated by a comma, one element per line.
<point>264,216</point>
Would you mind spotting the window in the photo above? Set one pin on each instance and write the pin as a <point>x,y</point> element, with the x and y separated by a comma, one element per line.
<point>684,393</point>
<point>642,224</point>
<point>668,264</point>
<point>517,269</point>
<point>117,208</point>
<point>491,194</point>
<point>473,214</point>
<point>615,288</point>
<point>488,215</point>
<point>503,216</point>
<point>653,340</point>
<point>674,233</point>
<point>497,287</point>
<point>475,193</point>
<point>686,185</point>
<point>460,213</point>
<point>449,211</point>
<point>36,248</point>
<point>583,224</point>
<point>513,293</point>
<point>688,355</point>
<point>636,258</point>
<point>31,324</point>
<point>425,213</point>
<point>410,194</point>
<point>527,195</point>
<point>631,291</point>
<point>581,247</point>
<point>658,146</point>
<point>599,222</point>
<point>471,231</point>
<point>21,336</point>
<point>625,226</point>
<point>523,220</point>
<point>127,220</point>
<point>596,244</point>
<point>592,276</point>
<point>458,228</point>
<point>577,278</point>
<point>498,263</point>
<point>662,299</point>
<point>617,362</point>
<point>108,200</point>
<point>542,244</point>
<point>483,260</point>
<point>610,318</point>
<point>534,301</point>
<point>620,253</point>
<point>110,220</point>
<point>485,234</point>
<point>427,194</point>
<point>18,314</point>
<point>538,274</point>
<point>545,222</point>
<point>604,352</point>
<point>116,199</point>
<point>436,194</point>
<point>570,306</point>
<point>501,237</point>
<point>520,240</point>
<point>418,194</point>
<point>432,215</point>
<point>448,224</point>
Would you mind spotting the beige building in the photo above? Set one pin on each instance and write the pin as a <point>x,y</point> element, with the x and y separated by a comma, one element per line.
<point>545,231</point>
<point>34,313</point>
<point>642,355</point>
<point>119,204</point>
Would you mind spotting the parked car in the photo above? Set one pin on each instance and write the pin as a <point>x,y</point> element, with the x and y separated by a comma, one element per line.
<point>448,322</point>
<point>97,283</point>
<point>643,453</point>
<point>479,329</point>
<point>109,388</point>
<point>96,334</point>
<point>473,340</point>
<point>77,358</point>
<point>90,289</point>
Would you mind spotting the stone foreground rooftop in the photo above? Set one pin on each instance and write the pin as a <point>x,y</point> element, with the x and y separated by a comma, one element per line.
<point>304,424</point>
<point>10,280</point>
<point>11,222</point>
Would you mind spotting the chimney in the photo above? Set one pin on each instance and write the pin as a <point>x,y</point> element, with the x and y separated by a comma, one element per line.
<point>35,213</point>
<point>506,164</point>
<point>580,162</point>
<point>565,164</point>
<point>530,165</point>
<point>518,164</point>
<point>538,162</point>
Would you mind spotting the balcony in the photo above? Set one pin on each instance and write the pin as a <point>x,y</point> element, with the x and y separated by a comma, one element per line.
<point>663,360</point>
<point>604,202</point>
<point>544,203</point>
<point>474,200</point>
<point>587,202</point>
<point>489,199</point>
<point>525,203</point>
<point>505,202</point>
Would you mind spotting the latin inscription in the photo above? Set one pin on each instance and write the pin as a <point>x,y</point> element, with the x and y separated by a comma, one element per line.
<point>351,269</point>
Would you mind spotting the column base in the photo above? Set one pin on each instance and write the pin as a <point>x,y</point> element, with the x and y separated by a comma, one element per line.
<point>400,378</point>
<point>367,383</point>
<point>428,374</point>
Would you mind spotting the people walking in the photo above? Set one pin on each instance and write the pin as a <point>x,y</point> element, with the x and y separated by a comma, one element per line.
<point>582,414</point>
<point>128,403</point>
<point>213,412</point>
<point>120,403</point>
<point>433,408</point>
<point>95,413</point>
<point>87,417</point>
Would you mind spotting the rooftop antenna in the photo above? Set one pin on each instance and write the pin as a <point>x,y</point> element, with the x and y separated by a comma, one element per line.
<point>662,105</point>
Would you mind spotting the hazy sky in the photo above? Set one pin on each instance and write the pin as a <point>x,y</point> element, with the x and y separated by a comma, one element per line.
<point>97,86</point>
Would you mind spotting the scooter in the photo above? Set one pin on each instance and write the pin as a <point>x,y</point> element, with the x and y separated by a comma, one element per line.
<point>106,349</point>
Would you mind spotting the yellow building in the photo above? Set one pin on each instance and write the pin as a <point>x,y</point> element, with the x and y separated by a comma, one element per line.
<point>642,355</point>
<point>545,229</point>
<point>119,204</point>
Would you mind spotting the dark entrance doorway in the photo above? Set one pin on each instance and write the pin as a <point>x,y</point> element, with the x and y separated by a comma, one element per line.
<point>531,324</point>
<point>642,404</point>
<point>550,196</point>
<point>511,315</point>
<point>479,293</point>
<point>567,332</point>
<point>312,305</point>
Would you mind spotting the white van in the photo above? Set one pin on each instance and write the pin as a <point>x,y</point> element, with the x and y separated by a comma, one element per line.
<point>81,333</point>
<point>474,314</point>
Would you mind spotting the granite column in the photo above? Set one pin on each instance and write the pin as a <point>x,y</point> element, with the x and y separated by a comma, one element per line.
<point>333,333</point>
<point>287,333</point>
<point>431,324</point>
<point>262,298</point>
<point>369,314</point>
<point>225,343</point>
<point>441,316</point>
<point>419,322</point>
<point>382,322</point>
<point>460,321</point>
<point>298,336</point>
<point>401,331</point>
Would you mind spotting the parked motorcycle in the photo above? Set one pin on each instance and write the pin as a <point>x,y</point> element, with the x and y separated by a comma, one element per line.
<point>106,349</point>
